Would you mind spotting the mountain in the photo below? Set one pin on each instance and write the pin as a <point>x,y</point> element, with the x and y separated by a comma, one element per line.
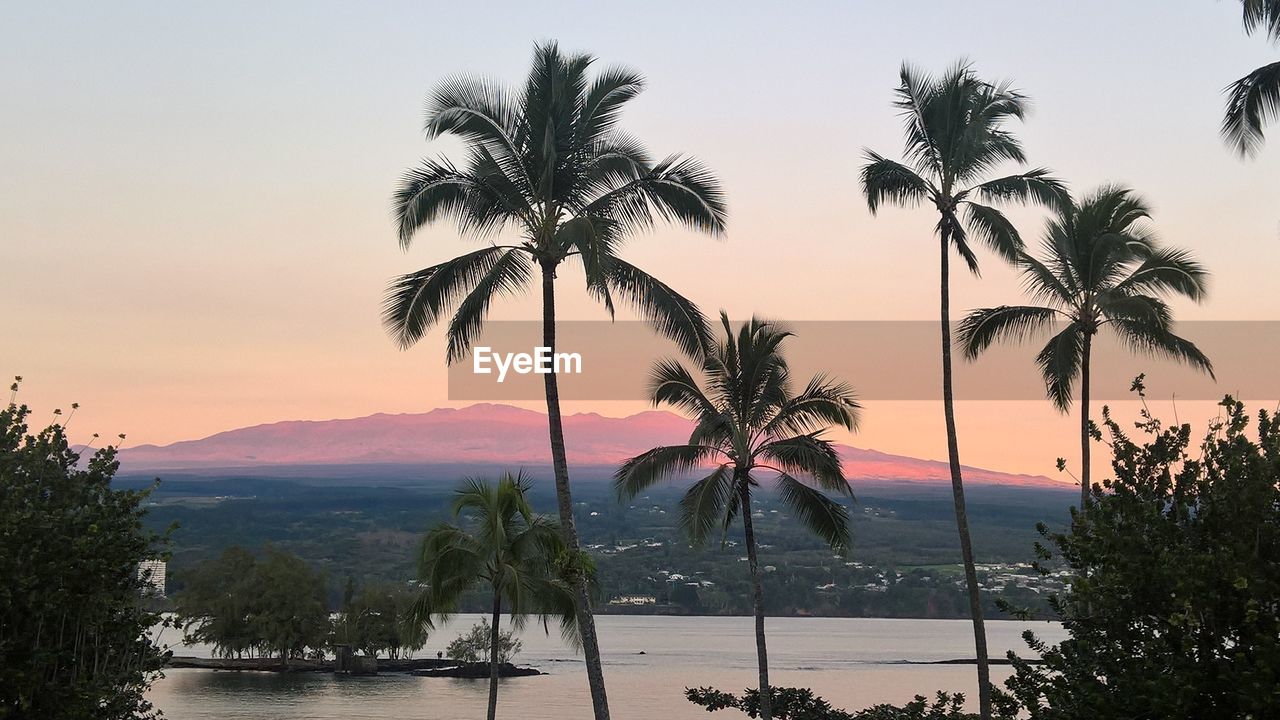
<point>487,434</point>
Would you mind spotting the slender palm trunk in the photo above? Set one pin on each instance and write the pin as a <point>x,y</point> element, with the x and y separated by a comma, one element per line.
<point>1084,421</point>
<point>495,639</point>
<point>757,600</point>
<point>957,489</point>
<point>564,500</point>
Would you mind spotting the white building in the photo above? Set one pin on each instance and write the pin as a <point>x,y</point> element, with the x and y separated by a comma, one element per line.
<point>152,573</point>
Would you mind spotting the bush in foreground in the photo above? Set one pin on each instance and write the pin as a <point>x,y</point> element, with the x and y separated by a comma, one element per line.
<point>74,631</point>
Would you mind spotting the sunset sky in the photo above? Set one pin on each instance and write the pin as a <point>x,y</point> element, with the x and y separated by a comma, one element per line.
<point>195,200</point>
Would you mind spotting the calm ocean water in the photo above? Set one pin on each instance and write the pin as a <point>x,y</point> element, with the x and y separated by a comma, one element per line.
<point>648,663</point>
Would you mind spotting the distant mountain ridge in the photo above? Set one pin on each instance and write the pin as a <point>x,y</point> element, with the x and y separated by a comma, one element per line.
<point>489,434</point>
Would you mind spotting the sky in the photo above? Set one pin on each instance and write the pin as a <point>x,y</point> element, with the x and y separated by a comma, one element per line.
<point>195,227</point>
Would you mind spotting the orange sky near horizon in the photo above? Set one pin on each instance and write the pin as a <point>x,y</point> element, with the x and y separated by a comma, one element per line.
<point>194,201</point>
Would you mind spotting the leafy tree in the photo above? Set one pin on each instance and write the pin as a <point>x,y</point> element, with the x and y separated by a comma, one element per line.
<point>217,605</point>
<point>270,606</point>
<point>1254,100</point>
<point>75,640</point>
<point>1173,612</point>
<point>1102,267</point>
<point>377,620</point>
<point>549,165</point>
<point>955,136</point>
<point>477,643</point>
<point>518,556</point>
<point>750,421</point>
<point>292,616</point>
<point>802,704</point>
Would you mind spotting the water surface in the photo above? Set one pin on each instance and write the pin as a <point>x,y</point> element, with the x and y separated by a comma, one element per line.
<point>853,662</point>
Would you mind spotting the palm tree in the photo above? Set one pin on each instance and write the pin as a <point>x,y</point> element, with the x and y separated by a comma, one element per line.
<point>512,552</point>
<point>549,166</point>
<point>1254,99</point>
<point>1102,266</point>
<point>748,421</point>
<point>955,136</point>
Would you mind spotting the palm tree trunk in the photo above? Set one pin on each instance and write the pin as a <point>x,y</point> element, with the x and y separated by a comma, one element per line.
<point>495,639</point>
<point>957,488</point>
<point>564,500</point>
<point>1084,421</point>
<point>757,599</point>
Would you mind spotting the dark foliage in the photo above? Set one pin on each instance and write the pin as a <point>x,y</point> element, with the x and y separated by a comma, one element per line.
<point>1175,611</point>
<point>74,628</point>
<point>802,704</point>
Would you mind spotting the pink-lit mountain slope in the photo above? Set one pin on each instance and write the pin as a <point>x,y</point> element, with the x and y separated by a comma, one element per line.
<point>488,434</point>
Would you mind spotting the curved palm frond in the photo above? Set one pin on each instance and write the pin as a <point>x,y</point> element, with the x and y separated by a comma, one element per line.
<point>808,455</point>
<point>821,515</point>
<point>1168,271</point>
<point>885,180</point>
<point>994,229</point>
<point>1059,364</point>
<point>1157,339</point>
<point>654,466</point>
<point>981,328</point>
<point>1252,102</point>
<point>824,402</point>
<point>677,189</point>
<point>511,274</point>
<point>415,302</point>
<point>1037,186</point>
<point>671,314</point>
<point>703,506</point>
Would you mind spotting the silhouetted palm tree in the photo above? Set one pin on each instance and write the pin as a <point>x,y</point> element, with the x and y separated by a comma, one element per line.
<point>549,166</point>
<point>749,421</point>
<point>1254,100</point>
<point>955,136</point>
<point>508,549</point>
<point>1102,267</point>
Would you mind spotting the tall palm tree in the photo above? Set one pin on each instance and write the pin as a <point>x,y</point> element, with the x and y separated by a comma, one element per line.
<point>749,420</point>
<point>548,167</point>
<point>955,136</point>
<point>1254,100</point>
<point>1102,266</point>
<point>515,554</point>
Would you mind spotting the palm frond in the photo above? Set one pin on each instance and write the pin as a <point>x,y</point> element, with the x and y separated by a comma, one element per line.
<point>820,514</point>
<point>1059,364</point>
<point>703,506</point>
<point>671,314</point>
<point>415,302</point>
<point>1252,102</point>
<point>1168,271</point>
<point>659,464</point>
<point>511,274</point>
<point>808,455</point>
<point>983,327</point>
<point>1159,341</point>
<point>1037,186</point>
<point>994,229</point>
<point>885,180</point>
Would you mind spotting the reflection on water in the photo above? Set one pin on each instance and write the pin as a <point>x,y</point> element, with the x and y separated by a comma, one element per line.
<point>648,663</point>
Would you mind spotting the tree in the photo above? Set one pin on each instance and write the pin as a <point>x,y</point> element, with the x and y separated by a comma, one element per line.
<point>217,605</point>
<point>476,643</point>
<point>241,604</point>
<point>75,635</point>
<point>955,136</point>
<point>518,556</point>
<point>1102,267</point>
<point>749,420</point>
<point>1254,100</point>
<point>1172,612</point>
<point>549,165</point>
<point>377,619</point>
